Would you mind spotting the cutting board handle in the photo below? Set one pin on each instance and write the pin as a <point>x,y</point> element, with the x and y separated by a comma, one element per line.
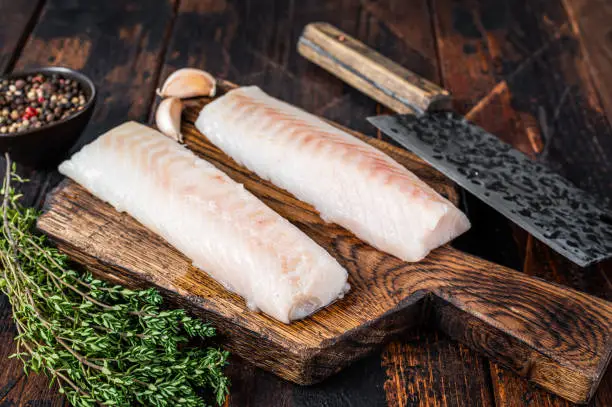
<point>379,77</point>
<point>555,336</point>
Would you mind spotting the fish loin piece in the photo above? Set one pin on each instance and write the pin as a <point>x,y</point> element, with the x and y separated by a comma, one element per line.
<point>348,181</point>
<point>224,229</point>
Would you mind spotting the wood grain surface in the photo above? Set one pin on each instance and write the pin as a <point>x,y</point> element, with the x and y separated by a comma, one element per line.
<point>590,24</point>
<point>305,351</point>
<point>504,85</point>
<point>362,67</point>
<point>17,20</point>
<point>558,338</point>
<point>403,31</point>
<point>106,41</point>
<point>253,41</point>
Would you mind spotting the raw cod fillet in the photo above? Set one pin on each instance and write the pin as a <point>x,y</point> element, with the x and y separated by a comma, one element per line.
<point>221,227</point>
<point>348,181</point>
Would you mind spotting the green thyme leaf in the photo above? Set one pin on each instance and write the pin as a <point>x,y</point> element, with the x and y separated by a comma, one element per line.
<point>103,344</point>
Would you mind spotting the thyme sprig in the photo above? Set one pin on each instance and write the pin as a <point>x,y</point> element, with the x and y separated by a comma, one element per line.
<point>103,344</point>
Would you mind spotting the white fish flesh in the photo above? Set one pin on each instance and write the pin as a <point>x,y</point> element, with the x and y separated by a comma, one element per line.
<point>348,181</point>
<point>224,229</point>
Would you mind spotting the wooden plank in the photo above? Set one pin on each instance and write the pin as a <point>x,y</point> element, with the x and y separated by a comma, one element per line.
<point>12,373</point>
<point>233,41</point>
<point>541,102</point>
<point>17,18</point>
<point>16,21</point>
<point>349,108</point>
<point>230,41</point>
<point>221,28</point>
<point>406,36</point>
<point>511,391</point>
<point>106,41</point>
<point>34,390</point>
<point>480,303</point>
<point>406,23</point>
<point>251,386</point>
<point>361,385</point>
<point>341,335</point>
<point>427,372</point>
<point>119,45</point>
<point>590,23</point>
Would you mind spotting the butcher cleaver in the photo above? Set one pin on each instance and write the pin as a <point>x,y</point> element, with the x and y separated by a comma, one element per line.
<point>548,206</point>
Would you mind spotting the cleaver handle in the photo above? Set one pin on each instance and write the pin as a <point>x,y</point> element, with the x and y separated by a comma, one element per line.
<point>556,337</point>
<point>375,75</point>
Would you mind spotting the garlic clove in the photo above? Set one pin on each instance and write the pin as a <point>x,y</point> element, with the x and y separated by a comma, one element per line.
<point>168,118</point>
<point>187,83</point>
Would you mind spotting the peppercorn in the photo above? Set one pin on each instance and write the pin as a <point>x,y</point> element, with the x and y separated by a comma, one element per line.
<point>48,87</point>
<point>38,100</point>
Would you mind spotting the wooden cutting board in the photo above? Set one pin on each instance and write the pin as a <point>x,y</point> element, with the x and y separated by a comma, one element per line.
<point>555,336</point>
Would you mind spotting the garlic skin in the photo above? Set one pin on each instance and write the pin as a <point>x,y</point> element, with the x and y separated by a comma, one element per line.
<point>188,83</point>
<point>168,118</point>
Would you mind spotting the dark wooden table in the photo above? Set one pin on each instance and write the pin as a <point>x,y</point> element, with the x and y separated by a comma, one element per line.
<point>538,73</point>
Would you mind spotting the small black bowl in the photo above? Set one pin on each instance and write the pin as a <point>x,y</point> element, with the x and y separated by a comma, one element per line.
<point>48,145</point>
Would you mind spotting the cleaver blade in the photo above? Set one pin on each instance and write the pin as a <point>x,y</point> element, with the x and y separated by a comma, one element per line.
<point>545,204</point>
